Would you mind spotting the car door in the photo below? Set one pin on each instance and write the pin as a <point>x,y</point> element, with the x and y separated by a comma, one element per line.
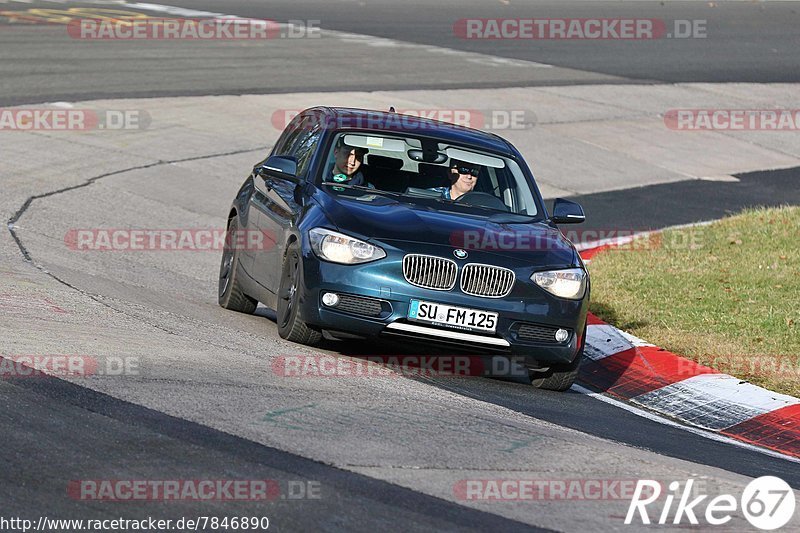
<point>259,204</point>
<point>276,203</point>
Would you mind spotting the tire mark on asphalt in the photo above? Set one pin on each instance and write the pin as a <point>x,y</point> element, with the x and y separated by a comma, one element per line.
<point>29,201</point>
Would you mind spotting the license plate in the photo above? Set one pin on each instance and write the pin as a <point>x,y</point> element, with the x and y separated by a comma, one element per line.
<point>456,317</point>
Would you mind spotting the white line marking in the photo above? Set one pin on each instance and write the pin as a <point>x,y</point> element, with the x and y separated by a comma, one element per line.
<point>605,340</point>
<point>368,40</point>
<point>705,434</point>
<point>172,10</point>
<point>723,177</point>
<point>473,57</point>
<point>714,401</point>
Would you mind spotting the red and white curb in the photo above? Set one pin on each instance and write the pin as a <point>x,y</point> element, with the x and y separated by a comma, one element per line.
<point>626,367</point>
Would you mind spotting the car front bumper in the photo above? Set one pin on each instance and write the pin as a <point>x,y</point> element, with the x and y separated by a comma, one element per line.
<point>378,300</point>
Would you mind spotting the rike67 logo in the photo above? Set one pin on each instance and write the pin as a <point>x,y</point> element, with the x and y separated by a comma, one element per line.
<point>767,503</point>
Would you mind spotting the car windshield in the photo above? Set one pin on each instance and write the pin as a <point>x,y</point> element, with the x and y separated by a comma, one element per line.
<point>441,174</point>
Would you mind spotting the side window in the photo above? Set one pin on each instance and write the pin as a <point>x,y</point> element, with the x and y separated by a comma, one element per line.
<point>289,137</point>
<point>305,146</point>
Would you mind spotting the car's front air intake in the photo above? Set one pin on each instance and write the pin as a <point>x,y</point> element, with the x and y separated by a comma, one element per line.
<point>430,272</point>
<point>359,306</point>
<point>486,280</point>
<point>538,333</point>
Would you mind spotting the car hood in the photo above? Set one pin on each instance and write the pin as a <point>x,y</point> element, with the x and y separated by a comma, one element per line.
<point>375,217</point>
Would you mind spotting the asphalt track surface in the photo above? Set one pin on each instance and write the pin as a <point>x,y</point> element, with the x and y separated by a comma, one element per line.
<point>199,407</point>
<point>54,431</point>
<point>143,444</point>
<point>685,202</point>
<point>746,41</point>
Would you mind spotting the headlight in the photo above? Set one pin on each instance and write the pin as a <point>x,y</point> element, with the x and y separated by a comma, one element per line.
<point>569,283</point>
<point>339,248</point>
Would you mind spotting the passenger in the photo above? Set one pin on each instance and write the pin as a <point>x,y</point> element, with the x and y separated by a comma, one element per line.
<point>347,162</point>
<point>463,177</point>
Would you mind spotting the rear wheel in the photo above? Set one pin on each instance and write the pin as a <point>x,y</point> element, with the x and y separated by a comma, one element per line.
<point>290,325</point>
<point>230,295</point>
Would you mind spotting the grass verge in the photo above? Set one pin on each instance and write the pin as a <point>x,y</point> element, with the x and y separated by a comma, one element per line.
<point>726,295</point>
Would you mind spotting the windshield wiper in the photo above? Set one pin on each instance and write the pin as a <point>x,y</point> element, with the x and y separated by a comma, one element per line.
<point>346,185</point>
<point>361,188</point>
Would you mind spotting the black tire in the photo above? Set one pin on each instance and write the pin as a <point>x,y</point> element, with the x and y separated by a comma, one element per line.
<point>559,377</point>
<point>230,295</point>
<point>290,325</point>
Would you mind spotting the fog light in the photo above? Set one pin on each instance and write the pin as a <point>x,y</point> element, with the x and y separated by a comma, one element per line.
<point>330,299</point>
<point>562,335</point>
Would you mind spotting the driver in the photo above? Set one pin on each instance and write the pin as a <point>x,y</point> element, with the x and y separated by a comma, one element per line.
<point>347,162</point>
<point>463,177</point>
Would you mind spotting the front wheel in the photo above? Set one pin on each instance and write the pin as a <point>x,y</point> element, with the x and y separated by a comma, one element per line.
<point>559,377</point>
<point>290,325</point>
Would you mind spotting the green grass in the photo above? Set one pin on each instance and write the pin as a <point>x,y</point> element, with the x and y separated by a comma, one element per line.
<point>726,295</point>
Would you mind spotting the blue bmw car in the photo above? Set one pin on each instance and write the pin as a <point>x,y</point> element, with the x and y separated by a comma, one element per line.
<point>380,224</point>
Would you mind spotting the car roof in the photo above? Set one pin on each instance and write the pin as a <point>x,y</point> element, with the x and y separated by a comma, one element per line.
<point>347,118</point>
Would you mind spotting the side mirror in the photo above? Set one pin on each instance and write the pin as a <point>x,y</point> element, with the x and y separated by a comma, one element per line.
<point>278,166</point>
<point>566,212</point>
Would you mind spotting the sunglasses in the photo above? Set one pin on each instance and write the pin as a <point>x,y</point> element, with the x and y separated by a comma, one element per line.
<point>468,170</point>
